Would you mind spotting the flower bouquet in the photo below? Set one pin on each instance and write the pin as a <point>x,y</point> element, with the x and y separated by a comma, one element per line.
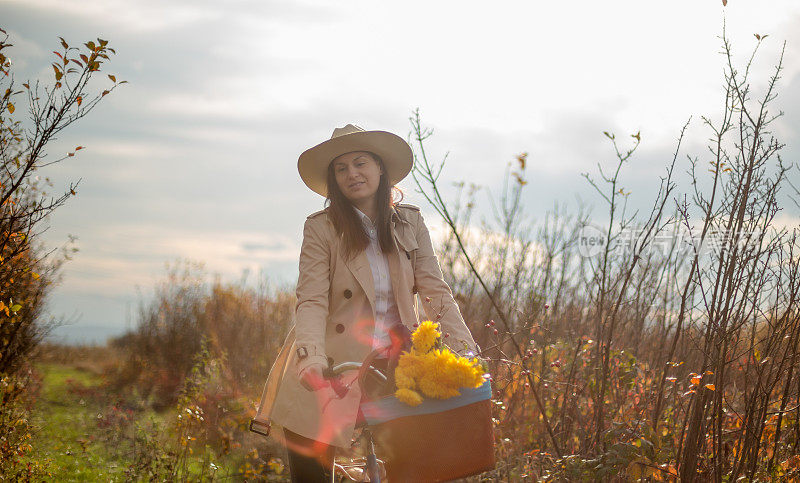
<point>437,424</point>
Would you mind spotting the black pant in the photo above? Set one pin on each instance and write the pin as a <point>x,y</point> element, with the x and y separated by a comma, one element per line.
<point>311,461</point>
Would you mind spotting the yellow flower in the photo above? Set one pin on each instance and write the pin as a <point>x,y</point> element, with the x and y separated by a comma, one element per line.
<point>435,373</point>
<point>425,336</point>
<point>404,381</point>
<point>408,396</point>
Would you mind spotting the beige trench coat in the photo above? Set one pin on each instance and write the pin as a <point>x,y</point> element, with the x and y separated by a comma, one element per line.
<point>334,318</point>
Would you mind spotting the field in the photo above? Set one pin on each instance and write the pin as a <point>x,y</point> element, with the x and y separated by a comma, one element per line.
<point>81,432</point>
<point>645,346</point>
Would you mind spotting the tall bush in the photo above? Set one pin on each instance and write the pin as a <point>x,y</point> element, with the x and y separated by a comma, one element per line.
<point>32,114</point>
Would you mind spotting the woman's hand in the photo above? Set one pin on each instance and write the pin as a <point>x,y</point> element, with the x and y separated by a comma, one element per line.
<point>312,377</point>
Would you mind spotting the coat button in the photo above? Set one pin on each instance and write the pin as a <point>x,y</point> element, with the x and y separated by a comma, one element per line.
<point>348,293</point>
<point>339,328</point>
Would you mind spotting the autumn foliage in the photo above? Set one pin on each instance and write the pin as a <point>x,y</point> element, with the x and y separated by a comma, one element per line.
<point>31,115</point>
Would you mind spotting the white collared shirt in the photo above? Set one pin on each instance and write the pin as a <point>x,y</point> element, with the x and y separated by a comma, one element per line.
<point>386,312</point>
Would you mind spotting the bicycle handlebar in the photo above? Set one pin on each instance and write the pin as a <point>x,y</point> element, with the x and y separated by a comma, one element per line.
<point>332,374</point>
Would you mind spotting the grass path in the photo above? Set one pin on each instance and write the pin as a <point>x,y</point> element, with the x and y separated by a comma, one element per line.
<point>67,437</point>
<point>76,438</point>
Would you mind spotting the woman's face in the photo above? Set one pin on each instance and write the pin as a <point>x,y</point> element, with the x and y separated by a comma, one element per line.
<point>357,175</point>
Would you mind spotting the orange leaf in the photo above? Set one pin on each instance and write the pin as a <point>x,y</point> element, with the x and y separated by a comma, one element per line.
<point>113,79</point>
<point>710,387</point>
<point>79,99</point>
<point>11,108</point>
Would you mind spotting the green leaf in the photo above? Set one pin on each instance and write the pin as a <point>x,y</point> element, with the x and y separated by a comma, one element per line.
<point>16,307</point>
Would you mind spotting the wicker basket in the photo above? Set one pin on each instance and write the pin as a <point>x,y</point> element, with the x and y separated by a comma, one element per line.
<point>438,440</point>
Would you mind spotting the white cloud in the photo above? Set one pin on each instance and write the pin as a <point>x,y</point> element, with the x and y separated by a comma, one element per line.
<point>122,256</point>
<point>204,105</point>
<point>139,16</point>
<point>22,50</point>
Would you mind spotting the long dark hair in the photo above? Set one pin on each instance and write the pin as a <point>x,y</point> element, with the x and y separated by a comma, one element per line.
<point>347,223</point>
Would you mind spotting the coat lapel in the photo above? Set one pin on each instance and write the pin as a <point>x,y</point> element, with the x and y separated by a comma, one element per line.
<point>359,265</point>
<point>403,233</point>
<point>406,243</point>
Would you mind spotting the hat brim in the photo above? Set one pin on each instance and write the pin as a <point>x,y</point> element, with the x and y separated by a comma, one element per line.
<point>398,159</point>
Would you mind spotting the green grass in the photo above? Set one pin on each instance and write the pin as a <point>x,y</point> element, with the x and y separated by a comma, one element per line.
<point>66,435</point>
<point>69,441</point>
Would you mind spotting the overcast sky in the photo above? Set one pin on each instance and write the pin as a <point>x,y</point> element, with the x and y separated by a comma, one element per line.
<point>196,156</point>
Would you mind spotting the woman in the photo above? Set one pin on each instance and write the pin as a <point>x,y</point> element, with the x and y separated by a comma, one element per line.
<point>362,261</point>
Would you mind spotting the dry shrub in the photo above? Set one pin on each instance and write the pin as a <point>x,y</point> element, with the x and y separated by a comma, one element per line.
<point>204,348</point>
<point>244,326</point>
<point>18,393</point>
<point>670,358</point>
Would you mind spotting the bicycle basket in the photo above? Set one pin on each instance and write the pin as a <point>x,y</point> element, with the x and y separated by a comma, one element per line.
<point>438,440</point>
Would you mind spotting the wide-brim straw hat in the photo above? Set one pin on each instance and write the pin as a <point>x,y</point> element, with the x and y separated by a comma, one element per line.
<point>395,152</point>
